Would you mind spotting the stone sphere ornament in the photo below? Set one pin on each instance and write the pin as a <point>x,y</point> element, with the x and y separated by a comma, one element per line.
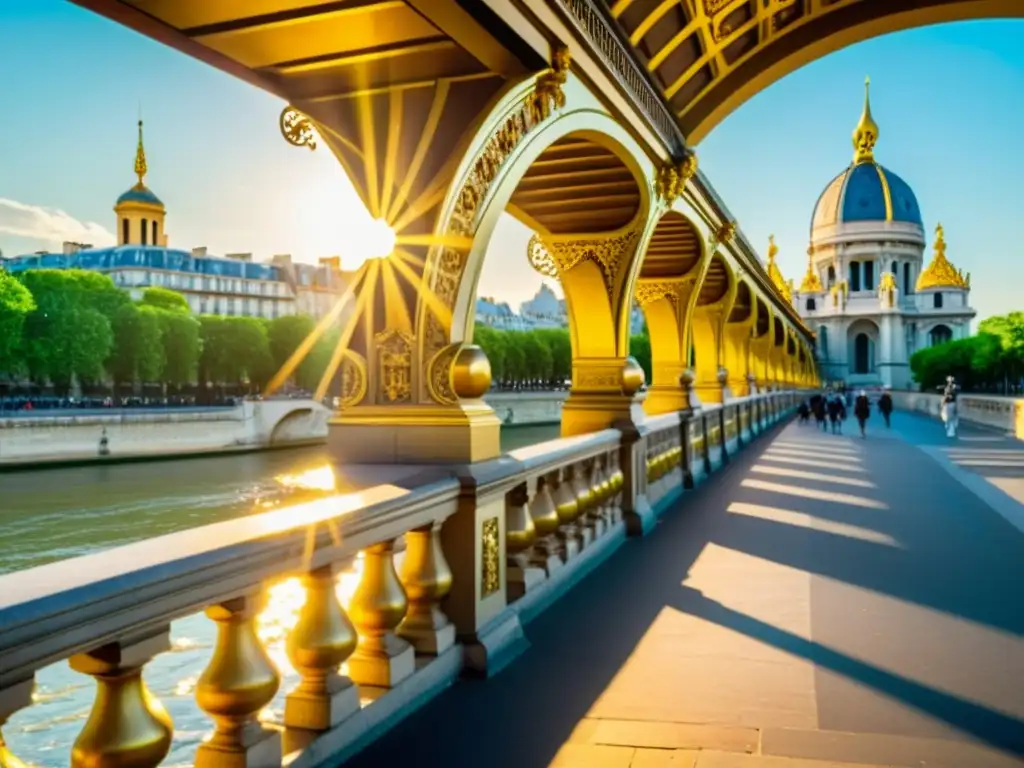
<point>632,376</point>
<point>471,374</point>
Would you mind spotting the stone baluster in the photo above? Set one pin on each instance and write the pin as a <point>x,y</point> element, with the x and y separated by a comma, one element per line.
<point>427,579</point>
<point>13,698</point>
<point>584,499</point>
<point>605,491</point>
<point>239,681</point>
<point>567,508</point>
<point>546,522</point>
<point>595,512</point>
<point>127,727</point>
<point>378,606</point>
<point>617,480</point>
<point>520,534</point>
<point>322,639</point>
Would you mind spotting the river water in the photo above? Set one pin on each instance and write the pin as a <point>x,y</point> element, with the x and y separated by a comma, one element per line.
<point>54,514</point>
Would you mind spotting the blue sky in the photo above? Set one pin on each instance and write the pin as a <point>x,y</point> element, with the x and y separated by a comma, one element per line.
<point>947,99</point>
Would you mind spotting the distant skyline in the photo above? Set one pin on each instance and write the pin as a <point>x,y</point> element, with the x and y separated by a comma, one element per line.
<point>946,99</point>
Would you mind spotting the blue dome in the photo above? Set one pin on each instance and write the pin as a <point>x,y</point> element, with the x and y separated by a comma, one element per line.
<point>866,192</point>
<point>139,194</point>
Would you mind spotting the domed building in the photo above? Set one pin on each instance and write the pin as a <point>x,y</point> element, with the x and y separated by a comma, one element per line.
<point>218,285</point>
<point>867,292</point>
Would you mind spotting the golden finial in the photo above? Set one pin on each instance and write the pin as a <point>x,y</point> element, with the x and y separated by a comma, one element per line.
<point>772,248</point>
<point>140,158</point>
<point>811,282</point>
<point>775,274</point>
<point>941,273</point>
<point>866,133</point>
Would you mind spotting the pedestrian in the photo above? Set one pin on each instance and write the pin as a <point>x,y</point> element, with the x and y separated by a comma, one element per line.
<point>818,406</point>
<point>836,414</point>
<point>805,411</point>
<point>885,406</point>
<point>862,410</point>
<point>949,407</point>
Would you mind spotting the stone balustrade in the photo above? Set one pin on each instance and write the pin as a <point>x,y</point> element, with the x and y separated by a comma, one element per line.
<point>1005,414</point>
<point>448,569</point>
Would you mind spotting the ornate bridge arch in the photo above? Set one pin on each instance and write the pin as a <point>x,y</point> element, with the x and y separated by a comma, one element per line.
<point>711,56</point>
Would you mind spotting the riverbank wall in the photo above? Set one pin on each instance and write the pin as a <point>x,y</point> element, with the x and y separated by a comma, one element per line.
<point>1005,414</point>
<point>253,425</point>
<point>527,408</point>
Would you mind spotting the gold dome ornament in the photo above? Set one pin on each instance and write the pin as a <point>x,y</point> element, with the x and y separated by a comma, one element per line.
<point>775,274</point>
<point>941,273</point>
<point>865,135</point>
<point>811,282</point>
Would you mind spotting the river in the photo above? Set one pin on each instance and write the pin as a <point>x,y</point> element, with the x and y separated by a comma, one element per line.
<point>52,514</point>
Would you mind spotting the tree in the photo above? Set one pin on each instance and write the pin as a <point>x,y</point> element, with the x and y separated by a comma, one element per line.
<point>557,340</point>
<point>69,335</point>
<point>640,348</point>
<point>285,334</point>
<point>164,298</point>
<point>182,346</point>
<point>235,348</point>
<point>16,303</point>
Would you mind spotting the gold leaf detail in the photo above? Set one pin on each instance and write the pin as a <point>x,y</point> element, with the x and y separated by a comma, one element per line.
<point>353,380</point>
<point>607,252</point>
<point>439,380</point>
<point>297,128</point>
<point>394,355</point>
<point>670,180</point>
<point>941,273</point>
<point>490,558</point>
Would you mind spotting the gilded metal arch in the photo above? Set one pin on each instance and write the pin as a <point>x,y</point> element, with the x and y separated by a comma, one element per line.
<point>752,74</point>
<point>567,122</point>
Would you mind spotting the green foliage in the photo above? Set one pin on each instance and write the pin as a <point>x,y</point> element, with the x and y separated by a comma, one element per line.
<point>164,298</point>
<point>539,358</point>
<point>286,334</point>
<point>991,361</point>
<point>182,347</point>
<point>138,353</point>
<point>235,349</point>
<point>69,334</point>
<point>16,303</point>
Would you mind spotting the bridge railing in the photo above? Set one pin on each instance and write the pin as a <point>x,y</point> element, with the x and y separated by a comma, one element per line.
<point>401,590</point>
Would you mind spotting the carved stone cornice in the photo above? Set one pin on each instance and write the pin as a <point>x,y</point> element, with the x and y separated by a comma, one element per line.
<point>651,290</point>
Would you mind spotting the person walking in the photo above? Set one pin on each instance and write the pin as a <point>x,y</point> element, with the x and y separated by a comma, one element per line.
<point>818,407</point>
<point>862,410</point>
<point>885,407</point>
<point>805,411</point>
<point>949,407</point>
<point>836,413</point>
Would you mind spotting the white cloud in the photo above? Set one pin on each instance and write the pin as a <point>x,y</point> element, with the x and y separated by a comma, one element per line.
<point>49,225</point>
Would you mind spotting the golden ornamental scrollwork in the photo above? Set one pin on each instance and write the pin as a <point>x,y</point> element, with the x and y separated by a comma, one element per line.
<point>887,288</point>
<point>394,360</point>
<point>608,252</point>
<point>726,232</point>
<point>448,266</point>
<point>439,375</point>
<point>354,380</point>
<point>297,128</point>
<point>490,558</point>
<point>670,179</point>
<point>650,292</point>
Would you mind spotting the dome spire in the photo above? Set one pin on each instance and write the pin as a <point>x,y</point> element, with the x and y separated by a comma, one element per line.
<point>866,133</point>
<point>140,157</point>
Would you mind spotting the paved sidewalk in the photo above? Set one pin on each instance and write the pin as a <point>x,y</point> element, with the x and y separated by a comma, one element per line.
<point>823,601</point>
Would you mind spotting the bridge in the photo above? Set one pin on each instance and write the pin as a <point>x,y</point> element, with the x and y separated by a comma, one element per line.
<point>579,119</point>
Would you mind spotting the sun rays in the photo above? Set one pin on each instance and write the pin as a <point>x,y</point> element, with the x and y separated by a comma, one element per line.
<point>398,195</point>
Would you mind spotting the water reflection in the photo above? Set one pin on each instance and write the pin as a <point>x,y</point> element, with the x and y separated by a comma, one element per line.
<point>54,514</point>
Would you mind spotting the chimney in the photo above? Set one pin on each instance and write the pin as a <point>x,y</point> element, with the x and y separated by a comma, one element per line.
<point>199,251</point>
<point>239,256</point>
<point>70,247</point>
<point>281,259</point>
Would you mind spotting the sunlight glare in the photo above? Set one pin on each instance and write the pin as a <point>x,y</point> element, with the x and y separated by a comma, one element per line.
<point>373,240</point>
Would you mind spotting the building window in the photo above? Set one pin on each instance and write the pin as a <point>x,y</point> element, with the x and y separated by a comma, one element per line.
<point>145,226</point>
<point>940,334</point>
<point>937,300</point>
<point>125,233</point>
<point>823,341</point>
<point>831,276</point>
<point>869,275</point>
<point>156,240</point>
<point>854,276</point>
<point>811,305</point>
<point>907,287</point>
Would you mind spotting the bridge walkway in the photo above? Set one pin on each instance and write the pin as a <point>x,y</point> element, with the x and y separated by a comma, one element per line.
<point>825,600</point>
